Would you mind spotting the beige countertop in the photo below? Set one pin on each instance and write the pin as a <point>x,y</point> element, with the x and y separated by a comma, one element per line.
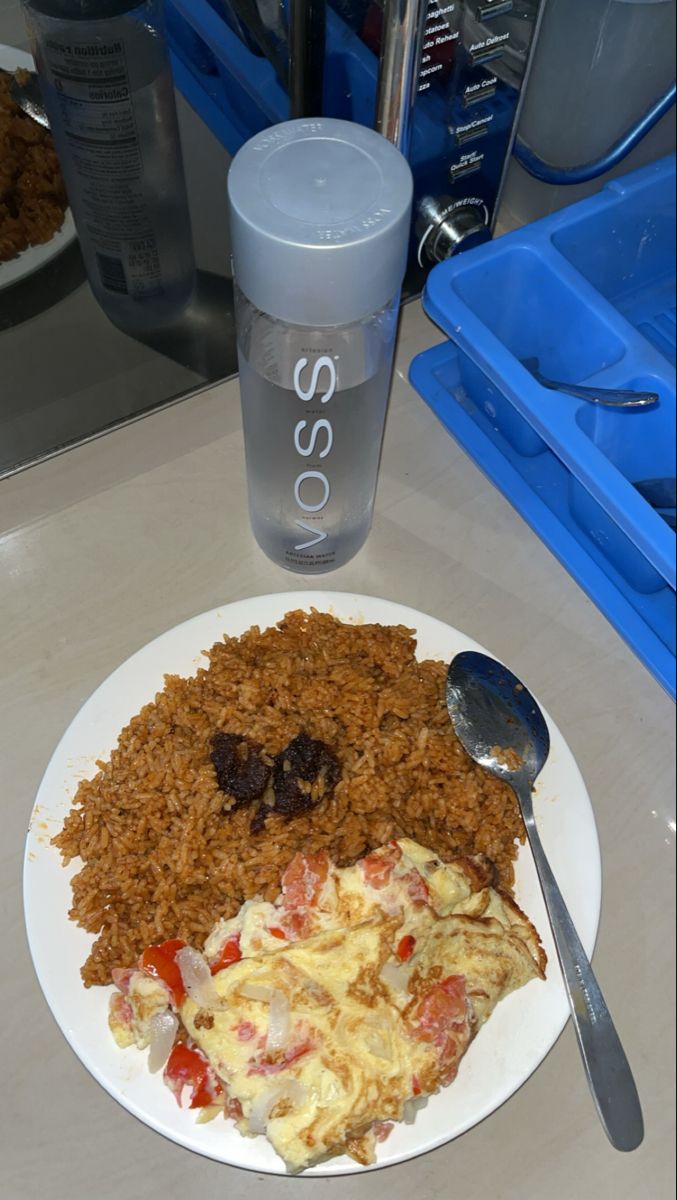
<point>109,545</point>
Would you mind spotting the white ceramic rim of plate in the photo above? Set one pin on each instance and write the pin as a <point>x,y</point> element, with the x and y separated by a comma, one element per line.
<point>34,257</point>
<point>533,1017</point>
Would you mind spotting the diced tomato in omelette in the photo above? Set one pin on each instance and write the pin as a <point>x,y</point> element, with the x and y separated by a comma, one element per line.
<point>325,1014</point>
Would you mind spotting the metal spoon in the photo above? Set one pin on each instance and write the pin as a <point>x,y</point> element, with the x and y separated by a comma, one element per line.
<point>502,728</point>
<point>610,397</point>
<point>29,98</point>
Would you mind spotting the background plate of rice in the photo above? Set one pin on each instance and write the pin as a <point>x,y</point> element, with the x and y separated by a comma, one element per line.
<point>511,1046</point>
<point>33,258</point>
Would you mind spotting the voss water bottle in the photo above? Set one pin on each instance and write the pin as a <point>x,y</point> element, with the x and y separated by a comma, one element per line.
<point>107,85</point>
<point>320,213</point>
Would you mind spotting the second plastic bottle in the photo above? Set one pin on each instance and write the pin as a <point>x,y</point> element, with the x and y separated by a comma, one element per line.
<point>107,85</point>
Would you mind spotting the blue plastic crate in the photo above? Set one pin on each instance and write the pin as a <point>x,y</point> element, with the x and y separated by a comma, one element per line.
<point>590,292</point>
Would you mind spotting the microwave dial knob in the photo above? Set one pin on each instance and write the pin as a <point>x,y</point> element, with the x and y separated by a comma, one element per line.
<point>444,231</point>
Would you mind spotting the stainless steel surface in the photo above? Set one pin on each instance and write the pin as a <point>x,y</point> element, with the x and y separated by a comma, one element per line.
<point>67,375</point>
<point>609,397</point>
<point>502,728</point>
<point>28,96</point>
<point>401,41</point>
<point>577,105</point>
<point>131,378</point>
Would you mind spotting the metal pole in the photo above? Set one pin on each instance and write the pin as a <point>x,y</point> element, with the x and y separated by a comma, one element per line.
<point>401,42</point>
<point>307,32</point>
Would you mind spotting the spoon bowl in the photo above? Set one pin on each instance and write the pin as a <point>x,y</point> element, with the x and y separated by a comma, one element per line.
<point>495,718</point>
<point>28,96</point>
<point>502,728</point>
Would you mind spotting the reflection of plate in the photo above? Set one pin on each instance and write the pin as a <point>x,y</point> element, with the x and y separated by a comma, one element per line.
<point>520,1032</point>
<point>34,257</point>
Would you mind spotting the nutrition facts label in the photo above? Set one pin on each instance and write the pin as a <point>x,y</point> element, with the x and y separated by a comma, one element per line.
<point>440,29</point>
<point>90,84</point>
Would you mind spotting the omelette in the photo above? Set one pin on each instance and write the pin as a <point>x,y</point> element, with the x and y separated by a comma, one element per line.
<point>322,1018</point>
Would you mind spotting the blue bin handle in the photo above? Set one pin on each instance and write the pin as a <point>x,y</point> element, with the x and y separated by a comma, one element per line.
<point>561,176</point>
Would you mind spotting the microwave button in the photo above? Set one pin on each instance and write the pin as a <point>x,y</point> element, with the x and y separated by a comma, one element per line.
<point>445,227</point>
<point>487,11</point>
<point>489,50</point>
<point>467,166</point>
<point>473,130</point>
<point>475,93</point>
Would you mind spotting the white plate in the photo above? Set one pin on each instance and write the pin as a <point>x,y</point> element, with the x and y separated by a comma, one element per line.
<point>33,257</point>
<point>520,1032</point>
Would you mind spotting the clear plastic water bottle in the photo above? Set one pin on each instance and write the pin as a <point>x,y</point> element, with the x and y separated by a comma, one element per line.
<point>320,213</point>
<point>107,85</point>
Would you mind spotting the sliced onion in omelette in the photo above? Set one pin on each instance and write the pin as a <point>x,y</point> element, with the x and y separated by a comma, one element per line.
<point>354,999</point>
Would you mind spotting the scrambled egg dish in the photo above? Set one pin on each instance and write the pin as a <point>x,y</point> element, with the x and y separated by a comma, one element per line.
<point>322,1018</point>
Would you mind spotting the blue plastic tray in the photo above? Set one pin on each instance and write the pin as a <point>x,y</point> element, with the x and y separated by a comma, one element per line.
<point>538,486</point>
<point>590,292</point>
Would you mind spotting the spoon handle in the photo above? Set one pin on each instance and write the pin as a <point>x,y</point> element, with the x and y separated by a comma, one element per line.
<point>609,1075</point>
<point>611,397</point>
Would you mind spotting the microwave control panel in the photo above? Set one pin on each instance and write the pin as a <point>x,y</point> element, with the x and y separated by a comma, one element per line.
<point>474,63</point>
<point>232,59</point>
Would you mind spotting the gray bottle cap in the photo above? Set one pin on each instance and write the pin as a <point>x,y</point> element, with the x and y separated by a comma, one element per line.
<point>319,220</point>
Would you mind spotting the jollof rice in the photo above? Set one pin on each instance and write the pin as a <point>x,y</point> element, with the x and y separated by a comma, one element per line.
<point>32,194</point>
<point>161,857</point>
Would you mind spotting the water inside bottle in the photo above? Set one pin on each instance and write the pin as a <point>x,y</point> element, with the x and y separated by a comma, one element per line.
<point>289,532</point>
